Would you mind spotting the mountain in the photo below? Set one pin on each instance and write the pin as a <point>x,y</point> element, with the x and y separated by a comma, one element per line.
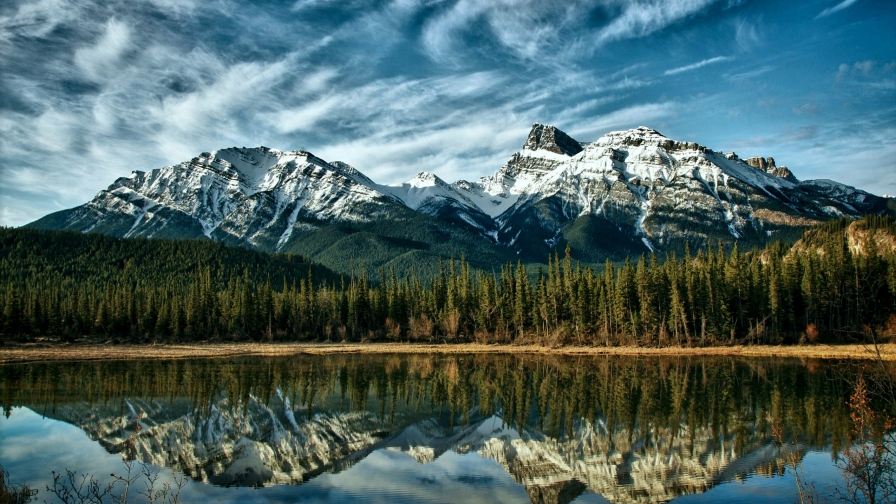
<point>628,192</point>
<point>634,191</point>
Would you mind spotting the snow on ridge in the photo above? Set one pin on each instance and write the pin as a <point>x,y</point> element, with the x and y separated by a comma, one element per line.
<point>425,179</point>
<point>544,154</point>
<point>244,187</point>
<point>424,188</point>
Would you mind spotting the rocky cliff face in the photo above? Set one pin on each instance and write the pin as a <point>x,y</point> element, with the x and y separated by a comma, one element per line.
<point>768,166</point>
<point>626,193</point>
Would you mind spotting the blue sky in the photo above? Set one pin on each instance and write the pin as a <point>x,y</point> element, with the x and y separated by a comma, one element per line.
<point>92,90</point>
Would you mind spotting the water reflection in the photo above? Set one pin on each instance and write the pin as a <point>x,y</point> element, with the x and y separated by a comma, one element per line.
<point>630,429</point>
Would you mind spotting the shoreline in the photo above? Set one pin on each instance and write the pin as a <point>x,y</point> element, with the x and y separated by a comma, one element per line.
<point>25,353</point>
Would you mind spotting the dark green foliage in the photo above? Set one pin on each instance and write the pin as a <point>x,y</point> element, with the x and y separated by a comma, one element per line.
<point>28,255</point>
<point>838,284</point>
<point>594,239</point>
<point>413,242</point>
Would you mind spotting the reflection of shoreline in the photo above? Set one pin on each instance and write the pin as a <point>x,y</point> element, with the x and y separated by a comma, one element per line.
<point>263,445</point>
<point>627,427</point>
<point>53,352</point>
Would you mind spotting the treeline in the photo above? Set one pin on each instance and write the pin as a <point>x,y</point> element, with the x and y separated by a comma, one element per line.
<point>839,284</point>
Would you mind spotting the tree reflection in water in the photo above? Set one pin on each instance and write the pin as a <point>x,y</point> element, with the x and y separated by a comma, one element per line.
<point>630,429</point>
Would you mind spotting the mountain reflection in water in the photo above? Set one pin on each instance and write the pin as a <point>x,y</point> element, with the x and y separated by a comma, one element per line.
<point>629,429</point>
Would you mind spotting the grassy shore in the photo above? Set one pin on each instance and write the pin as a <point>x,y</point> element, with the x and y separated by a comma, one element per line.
<point>97,351</point>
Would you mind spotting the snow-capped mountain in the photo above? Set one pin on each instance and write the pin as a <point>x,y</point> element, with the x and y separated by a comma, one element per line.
<point>639,191</point>
<point>258,196</point>
<point>627,192</point>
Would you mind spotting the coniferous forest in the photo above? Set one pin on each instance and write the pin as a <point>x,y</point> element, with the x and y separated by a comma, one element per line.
<point>837,284</point>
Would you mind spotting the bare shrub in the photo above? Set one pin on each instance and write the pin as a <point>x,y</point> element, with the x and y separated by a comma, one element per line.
<point>812,333</point>
<point>73,488</point>
<point>869,462</point>
<point>483,337</point>
<point>393,329</point>
<point>14,494</point>
<point>889,329</point>
<point>421,327</point>
<point>452,323</point>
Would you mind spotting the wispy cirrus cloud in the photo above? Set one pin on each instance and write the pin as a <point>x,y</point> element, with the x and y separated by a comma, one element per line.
<point>90,89</point>
<point>699,64</point>
<point>539,32</point>
<point>641,18</point>
<point>102,58</point>
<point>835,8</point>
<point>749,74</point>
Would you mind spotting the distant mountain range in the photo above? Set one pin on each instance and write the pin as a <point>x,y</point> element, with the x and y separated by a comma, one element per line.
<point>627,193</point>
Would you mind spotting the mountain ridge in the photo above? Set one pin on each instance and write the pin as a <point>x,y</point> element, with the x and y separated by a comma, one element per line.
<point>628,192</point>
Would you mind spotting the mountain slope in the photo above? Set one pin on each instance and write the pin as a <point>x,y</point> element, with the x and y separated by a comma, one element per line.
<point>628,192</point>
<point>635,191</point>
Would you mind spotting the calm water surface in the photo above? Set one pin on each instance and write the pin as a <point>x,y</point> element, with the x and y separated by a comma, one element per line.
<point>434,428</point>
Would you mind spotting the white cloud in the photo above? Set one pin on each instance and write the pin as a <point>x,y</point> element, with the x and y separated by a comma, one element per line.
<point>454,149</point>
<point>864,66</point>
<point>439,34</point>
<point>836,8</point>
<point>747,34</point>
<point>647,114</point>
<point>842,72</point>
<point>750,74</point>
<point>531,29</point>
<point>699,64</point>
<point>303,118</point>
<point>101,60</point>
<point>37,19</point>
<point>639,19</point>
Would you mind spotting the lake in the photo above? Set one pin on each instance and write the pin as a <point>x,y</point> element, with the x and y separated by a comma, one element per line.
<point>435,428</point>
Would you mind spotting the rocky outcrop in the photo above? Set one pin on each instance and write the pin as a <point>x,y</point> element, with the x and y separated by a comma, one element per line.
<point>768,166</point>
<point>549,138</point>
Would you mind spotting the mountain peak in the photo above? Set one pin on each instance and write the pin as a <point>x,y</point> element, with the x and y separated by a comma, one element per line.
<point>642,133</point>
<point>549,138</point>
<point>426,179</point>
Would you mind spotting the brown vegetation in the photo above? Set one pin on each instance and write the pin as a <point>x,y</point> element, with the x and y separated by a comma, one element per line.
<point>97,351</point>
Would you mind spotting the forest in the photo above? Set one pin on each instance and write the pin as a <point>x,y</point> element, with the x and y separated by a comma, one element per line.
<point>836,284</point>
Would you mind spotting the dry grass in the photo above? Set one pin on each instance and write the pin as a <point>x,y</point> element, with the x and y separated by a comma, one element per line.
<point>93,351</point>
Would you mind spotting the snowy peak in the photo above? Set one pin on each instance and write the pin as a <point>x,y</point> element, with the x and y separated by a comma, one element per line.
<point>353,173</point>
<point>426,192</point>
<point>426,179</point>
<point>640,136</point>
<point>548,138</point>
